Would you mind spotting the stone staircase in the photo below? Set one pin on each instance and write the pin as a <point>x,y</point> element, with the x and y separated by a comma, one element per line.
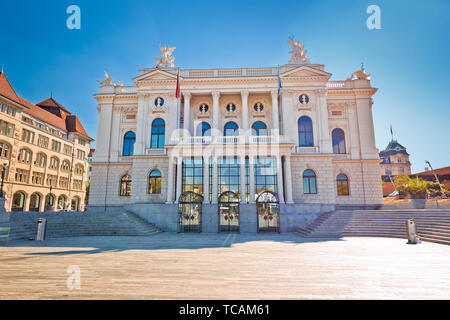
<point>77,224</point>
<point>432,225</point>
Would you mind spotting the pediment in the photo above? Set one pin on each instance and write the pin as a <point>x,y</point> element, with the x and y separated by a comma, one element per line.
<point>305,71</point>
<point>156,75</point>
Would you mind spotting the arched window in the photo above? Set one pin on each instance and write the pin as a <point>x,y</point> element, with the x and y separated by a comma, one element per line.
<point>41,160</point>
<point>231,129</point>
<point>24,156</point>
<point>35,201</point>
<point>125,186</point>
<point>342,185</point>
<point>338,138</point>
<point>154,182</point>
<point>62,203</point>
<point>5,150</point>
<point>18,202</point>
<point>65,166</point>
<point>54,163</point>
<point>158,133</point>
<point>309,182</point>
<point>204,129</point>
<point>305,132</point>
<point>259,128</point>
<point>79,169</point>
<point>49,199</point>
<point>128,143</point>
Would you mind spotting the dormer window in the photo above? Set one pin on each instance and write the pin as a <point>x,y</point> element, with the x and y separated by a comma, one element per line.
<point>258,107</point>
<point>231,107</point>
<point>303,98</point>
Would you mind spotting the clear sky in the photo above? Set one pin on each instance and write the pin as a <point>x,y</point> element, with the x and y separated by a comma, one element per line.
<point>408,58</point>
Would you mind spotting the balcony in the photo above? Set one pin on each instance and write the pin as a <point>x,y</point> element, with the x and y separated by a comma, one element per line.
<point>220,140</point>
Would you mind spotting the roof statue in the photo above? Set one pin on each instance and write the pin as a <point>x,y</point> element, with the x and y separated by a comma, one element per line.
<point>299,54</point>
<point>361,74</point>
<point>108,80</point>
<point>166,60</point>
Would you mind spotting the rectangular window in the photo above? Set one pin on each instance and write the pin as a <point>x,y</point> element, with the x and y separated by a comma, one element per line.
<point>67,150</point>
<point>81,142</point>
<point>6,128</point>
<point>42,141</point>
<point>22,175</point>
<point>265,175</point>
<point>27,136</point>
<point>51,180</point>
<point>63,182</point>
<point>56,146</point>
<point>77,184</point>
<point>81,155</point>
<point>37,178</point>
<point>193,175</point>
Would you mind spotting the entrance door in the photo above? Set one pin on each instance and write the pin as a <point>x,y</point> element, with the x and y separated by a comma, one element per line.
<point>228,212</point>
<point>268,212</point>
<point>190,212</point>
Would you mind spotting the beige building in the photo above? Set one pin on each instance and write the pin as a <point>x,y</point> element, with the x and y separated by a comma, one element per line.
<point>395,160</point>
<point>43,150</point>
<point>278,142</point>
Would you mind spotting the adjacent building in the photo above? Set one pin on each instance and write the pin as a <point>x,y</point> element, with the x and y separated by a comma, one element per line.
<point>395,160</point>
<point>43,152</point>
<point>247,149</point>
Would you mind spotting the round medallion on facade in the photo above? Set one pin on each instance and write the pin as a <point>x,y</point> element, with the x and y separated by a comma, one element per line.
<point>203,108</point>
<point>159,102</point>
<point>231,107</point>
<point>303,98</point>
<point>258,107</point>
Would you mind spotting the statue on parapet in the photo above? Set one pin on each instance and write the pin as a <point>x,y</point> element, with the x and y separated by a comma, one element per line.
<point>166,59</point>
<point>299,54</point>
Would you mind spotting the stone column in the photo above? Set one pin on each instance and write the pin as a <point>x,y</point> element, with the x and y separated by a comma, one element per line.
<point>280,178</point>
<point>243,179</point>
<point>216,114</point>
<point>187,110</point>
<point>325,135</point>
<point>214,180</point>
<point>140,126</point>
<point>366,129</point>
<point>352,140</point>
<point>116,137</point>
<point>179,177</point>
<point>170,181</point>
<point>244,95</point>
<point>288,179</point>
<point>103,131</point>
<point>275,114</point>
<point>206,180</point>
<point>251,173</point>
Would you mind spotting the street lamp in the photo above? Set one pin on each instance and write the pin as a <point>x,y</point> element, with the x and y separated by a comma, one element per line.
<point>49,205</point>
<point>435,175</point>
<point>5,165</point>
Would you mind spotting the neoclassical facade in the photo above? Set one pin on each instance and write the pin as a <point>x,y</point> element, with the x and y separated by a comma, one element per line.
<point>43,152</point>
<point>248,139</point>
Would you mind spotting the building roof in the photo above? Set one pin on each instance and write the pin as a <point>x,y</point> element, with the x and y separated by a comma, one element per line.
<point>440,171</point>
<point>393,148</point>
<point>49,111</point>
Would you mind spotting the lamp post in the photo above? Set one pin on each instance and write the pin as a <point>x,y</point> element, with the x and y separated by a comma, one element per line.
<point>435,175</point>
<point>3,178</point>
<point>2,195</point>
<point>49,206</point>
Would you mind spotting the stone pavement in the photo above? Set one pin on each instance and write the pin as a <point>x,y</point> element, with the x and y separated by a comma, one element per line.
<point>220,266</point>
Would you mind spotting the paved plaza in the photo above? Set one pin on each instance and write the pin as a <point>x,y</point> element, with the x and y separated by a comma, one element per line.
<point>221,266</point>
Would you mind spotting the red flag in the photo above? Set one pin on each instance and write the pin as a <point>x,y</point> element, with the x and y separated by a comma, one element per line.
<point>177,93</point>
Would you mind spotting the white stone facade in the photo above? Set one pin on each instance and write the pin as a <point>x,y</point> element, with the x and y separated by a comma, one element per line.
<point>346,105</point>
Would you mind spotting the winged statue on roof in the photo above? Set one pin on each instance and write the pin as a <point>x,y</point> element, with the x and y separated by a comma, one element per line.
<point>299,53</point>
<point>166,59</point>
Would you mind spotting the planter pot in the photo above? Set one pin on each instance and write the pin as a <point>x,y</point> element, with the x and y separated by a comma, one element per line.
<point>418,203</point>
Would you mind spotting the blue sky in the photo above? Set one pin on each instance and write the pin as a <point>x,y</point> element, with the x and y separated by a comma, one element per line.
<point>408,58</point>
